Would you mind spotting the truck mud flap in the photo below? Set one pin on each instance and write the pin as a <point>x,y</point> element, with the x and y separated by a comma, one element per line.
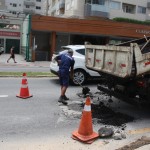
<point>133,101</point>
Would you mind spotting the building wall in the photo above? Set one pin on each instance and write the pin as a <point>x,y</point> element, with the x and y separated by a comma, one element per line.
<point>64,31</point>
<point>19,6</point>
<point>76,9</point>
<point>11,30</point>
<point>138,16</point>
<point>14,5</point>
<point>42,5</point>
<point>2,5</point>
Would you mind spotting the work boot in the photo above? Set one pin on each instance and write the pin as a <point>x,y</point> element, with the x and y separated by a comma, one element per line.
<point>66,98</point>
<point>62,100</point>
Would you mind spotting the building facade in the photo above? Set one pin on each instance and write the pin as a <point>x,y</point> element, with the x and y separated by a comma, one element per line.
<point>106,9</point>
<point>13,16</point>
<point>48,34</point>
<point>2,5</point>
<point>27,6</point>
<point>10,32</point>
<point>55,23</point>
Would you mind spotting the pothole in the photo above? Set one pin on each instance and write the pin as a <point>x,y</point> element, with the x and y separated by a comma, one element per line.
<point>102,114</point>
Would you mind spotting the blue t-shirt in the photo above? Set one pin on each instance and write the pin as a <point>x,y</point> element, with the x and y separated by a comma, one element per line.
<point>67,61</point>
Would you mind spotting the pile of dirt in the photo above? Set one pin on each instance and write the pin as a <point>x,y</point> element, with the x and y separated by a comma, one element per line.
<point>107,116</point>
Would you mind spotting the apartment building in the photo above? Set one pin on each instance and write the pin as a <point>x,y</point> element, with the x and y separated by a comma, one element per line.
<point>2,5</point>
<point>135,9</point>
<point>27,6</point>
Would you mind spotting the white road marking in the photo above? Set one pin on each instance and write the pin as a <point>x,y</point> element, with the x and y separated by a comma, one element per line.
<point>3,95</point>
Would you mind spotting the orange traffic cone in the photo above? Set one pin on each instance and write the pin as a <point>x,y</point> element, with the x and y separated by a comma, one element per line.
<point>85,132</point>
<point>24,76</point>
<point>24,91</point>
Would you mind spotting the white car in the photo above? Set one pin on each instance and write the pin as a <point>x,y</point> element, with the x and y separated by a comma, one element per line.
<point>81,73</point>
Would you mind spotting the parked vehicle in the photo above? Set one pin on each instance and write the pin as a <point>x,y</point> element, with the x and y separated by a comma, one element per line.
<point>125,68</point>
<point>81,73</point>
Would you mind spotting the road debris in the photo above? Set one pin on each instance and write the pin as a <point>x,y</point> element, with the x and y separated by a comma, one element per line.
<point>119,135</point>
<point>138,143</point>
<point>105,132</point>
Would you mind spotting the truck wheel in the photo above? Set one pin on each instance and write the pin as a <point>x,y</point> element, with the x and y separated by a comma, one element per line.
<point>79,77</point>
<point>143,97</point>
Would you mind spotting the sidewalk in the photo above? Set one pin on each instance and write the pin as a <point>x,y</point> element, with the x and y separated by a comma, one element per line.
<point>21,61</point>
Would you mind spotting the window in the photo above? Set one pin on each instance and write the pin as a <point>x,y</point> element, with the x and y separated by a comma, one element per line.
<point>127,8</point>
<point>14,12</point>
<point>115,5</point>
<point>37,7</point>
<point>99,2</point>
<point>81,51</point>
<point>38,0</point>
<point>141,10</point>
<point>27,6</point>
<point>14,5</point>
<point>88,1</point>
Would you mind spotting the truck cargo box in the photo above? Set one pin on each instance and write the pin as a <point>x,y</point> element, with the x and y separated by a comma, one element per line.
<point>124,60</point>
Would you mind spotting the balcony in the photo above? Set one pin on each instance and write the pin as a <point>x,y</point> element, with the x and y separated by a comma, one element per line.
<point>30,3</point>
<point>28,11</point>
<point>95,10</point>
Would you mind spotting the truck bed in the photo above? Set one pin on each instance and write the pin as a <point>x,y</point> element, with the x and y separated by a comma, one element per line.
<point>123,60</point>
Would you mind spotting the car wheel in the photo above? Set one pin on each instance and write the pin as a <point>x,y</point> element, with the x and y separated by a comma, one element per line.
<point>79,77</point>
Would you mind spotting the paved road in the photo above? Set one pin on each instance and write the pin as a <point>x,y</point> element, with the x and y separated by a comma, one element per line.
<point>41,123</point>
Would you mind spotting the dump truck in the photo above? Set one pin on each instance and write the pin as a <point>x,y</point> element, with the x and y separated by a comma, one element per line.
<point>125,68</point>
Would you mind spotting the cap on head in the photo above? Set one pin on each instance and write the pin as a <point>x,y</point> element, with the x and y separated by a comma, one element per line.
<point>70,51</point>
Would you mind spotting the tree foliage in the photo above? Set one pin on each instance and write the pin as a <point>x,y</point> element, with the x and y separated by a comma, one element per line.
<point>132,21</point>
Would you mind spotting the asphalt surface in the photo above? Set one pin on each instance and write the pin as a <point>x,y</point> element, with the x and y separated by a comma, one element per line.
<point>61,140</point>
<point>41,123</point>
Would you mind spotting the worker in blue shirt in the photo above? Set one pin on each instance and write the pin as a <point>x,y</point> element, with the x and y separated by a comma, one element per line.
<point>66,64</point>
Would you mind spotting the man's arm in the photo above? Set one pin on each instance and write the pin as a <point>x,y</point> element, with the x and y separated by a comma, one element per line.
<point>58,59</point>
<point>72,70</point>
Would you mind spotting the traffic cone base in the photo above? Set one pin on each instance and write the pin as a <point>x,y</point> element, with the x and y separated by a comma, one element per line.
<point>87,142</point>
<point>24,97</point>
<point>87,139</point>
<point>85,132</point>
